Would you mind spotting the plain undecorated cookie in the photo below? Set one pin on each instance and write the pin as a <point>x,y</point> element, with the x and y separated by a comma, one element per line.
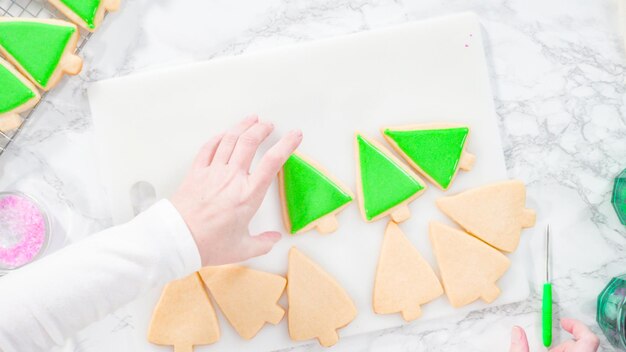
<point>248,298</point>
<point>385,186</point>
<point>42,50</point>
<point>469,267</point>
<point>184,316</point>
<point>495,213</point>
<point>404,279</point>
<point>318,305</point>
<point>437,151</point>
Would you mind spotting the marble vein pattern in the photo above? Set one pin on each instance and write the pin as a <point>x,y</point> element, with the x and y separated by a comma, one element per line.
<point>557,70</point>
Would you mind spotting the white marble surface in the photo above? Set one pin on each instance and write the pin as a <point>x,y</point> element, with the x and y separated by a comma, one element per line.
<point>557,68</point>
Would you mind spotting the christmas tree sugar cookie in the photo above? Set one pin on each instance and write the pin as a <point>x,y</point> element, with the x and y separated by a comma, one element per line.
<point>318,305</point>
<point>495,213</point>
<point>17,94</point>
<point>10,122</point>
<point>43,50</point>
<point>404,280</point>
<point>437,151</point>
<point>86,13</point>
<point>469,267</point>
<point>248,298</point>
<point>384,184</point>
<point>310,197</point>
<point>184,316</point>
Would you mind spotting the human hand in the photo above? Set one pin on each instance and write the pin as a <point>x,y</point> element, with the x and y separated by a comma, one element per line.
<point>219,196</point>
<point>584,340</point>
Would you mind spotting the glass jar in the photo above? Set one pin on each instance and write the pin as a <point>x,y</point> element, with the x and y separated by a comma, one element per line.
<point>24,230</point>
<point>611,311</point>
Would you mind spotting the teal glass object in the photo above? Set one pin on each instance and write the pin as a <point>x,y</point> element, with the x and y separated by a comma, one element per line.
<point>619,196</point>
<point>611,312</point>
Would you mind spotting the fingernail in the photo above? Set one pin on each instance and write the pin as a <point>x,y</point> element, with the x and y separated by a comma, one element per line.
<point>297,133</point>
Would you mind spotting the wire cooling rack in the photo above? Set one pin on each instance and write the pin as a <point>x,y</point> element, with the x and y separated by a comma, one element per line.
<point>32,9</point>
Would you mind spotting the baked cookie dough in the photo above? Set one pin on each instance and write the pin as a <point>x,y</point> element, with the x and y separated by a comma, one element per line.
<point>184,316</point>
<point>469,267</point>
<point>310,196</point>
<point>247,298</point>
<point>318,305</point>
<point>385,185</point>
<point>86,13</point>
<point>495,213</point>
<point>17,94</point>
<point>437,151</point>
<point>404,279</point>
<point>43,50</point>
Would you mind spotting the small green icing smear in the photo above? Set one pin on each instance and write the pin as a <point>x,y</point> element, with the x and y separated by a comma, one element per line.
<point>384,183</point>
<point>37,47</point>
<point>85,9</point>
<point>309,194</point>
<point>13,92</point>
<point>437,151</point>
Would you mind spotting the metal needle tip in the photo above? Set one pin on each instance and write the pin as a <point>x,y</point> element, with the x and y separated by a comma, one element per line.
<point>548,253</point>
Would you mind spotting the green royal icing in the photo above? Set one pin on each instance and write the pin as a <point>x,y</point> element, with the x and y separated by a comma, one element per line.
<point>13,92</point>
<point>37,47</point>
<point>85,9</point>
<point>437,152</point>
<point>384,183</point>
<point>309,194</point>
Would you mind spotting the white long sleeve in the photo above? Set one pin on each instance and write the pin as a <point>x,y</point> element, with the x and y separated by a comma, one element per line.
<point>49,300</point>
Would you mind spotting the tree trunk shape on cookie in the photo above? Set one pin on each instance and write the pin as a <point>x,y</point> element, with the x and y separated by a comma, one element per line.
<point>318,305</point>
<point>310,196</point>
<point>184,316</point>
<point>404,279</point>
<point>437,151</point>
<point>248,298</point>
<point>17,94</point>
<point>43,50</point>
<point>86,13</point>
<point>385,185</point>
<point>10,121</point>
<point>494,213</point>
<point>469,267</point>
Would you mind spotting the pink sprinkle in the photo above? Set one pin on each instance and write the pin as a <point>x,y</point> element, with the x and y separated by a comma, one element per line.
<point>471,34</point>
<point>22,231</point>
<point>467,46</point>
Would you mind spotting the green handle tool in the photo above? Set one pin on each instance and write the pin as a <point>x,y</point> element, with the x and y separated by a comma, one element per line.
<point>547,314</point>
<point>546,306</point>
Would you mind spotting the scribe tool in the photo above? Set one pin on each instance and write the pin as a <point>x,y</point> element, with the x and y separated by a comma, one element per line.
<point>546,307</point>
